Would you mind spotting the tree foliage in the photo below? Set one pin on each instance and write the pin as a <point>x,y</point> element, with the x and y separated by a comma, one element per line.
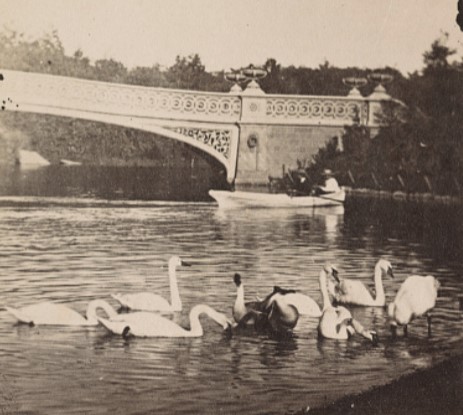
<point>422,149</point>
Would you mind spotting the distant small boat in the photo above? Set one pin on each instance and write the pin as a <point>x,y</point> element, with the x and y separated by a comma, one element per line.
<point>240,199</point>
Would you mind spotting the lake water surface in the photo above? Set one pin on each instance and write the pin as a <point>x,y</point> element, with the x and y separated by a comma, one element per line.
<point>74,243</point>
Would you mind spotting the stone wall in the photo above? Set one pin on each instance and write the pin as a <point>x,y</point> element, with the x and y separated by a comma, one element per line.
<point>265,149</point>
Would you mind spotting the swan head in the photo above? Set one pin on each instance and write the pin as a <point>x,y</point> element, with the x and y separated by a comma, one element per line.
<point>176,261</point>
<point>385,266</point>
<point>331,270</point>
<point>224,321</point>
<point>237,279</point>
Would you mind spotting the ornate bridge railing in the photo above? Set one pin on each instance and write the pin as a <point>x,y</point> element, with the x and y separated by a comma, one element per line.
<point>65,92</point>
<point>315,110</point>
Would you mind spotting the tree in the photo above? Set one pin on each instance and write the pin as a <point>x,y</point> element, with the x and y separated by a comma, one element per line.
<point>186,73</point>
<point>110,70</point>
<point>147,76</point>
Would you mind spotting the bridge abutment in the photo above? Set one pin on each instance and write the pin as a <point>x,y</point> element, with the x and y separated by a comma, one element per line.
<point>265,150</point>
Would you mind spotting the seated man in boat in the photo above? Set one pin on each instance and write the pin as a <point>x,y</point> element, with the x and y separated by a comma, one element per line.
<point>301,181</point>
<point>331,184</point>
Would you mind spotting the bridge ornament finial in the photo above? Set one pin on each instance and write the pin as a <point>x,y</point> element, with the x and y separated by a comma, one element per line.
<point>354,83</point>
<point>253,74</point>
<point>381,79</point>
<point>237,77</point>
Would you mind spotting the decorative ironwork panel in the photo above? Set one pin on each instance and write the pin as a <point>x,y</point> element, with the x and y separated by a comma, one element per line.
<point>219,140</point>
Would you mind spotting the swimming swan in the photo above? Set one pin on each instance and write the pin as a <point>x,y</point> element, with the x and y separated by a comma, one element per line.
<point>282,317</point>
<point>145,324</point>
<point>306,306</point>
<point>146,301</point>
<point>51,314</point>
<point>347,291</point>
<point>337,322</point>
<point>242,309</point>
<point>416,297</point>
<point>271,312</point>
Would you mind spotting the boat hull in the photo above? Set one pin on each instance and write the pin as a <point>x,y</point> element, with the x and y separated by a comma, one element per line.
<point>239,199</point>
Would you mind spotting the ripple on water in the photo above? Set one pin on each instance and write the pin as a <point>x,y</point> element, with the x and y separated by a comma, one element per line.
<point>73,252</point>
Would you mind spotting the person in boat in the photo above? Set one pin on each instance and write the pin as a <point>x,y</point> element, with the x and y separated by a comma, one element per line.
<point>331,185</point>
<point>297,182</point>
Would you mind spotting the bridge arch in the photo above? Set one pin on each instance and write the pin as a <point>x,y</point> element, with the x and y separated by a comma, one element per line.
<point>38,93</point>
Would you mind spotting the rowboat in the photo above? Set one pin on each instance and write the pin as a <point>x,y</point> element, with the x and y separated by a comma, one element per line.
<point>240,199</point>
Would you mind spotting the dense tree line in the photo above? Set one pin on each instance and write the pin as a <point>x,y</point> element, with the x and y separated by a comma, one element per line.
<point>47,55</point>
<point>419,148</point>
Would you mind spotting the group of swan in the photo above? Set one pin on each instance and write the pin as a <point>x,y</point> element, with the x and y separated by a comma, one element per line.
<point>142,323</point>
<point>282,308</point>
<point>416,296</point>
<point>279,311</point>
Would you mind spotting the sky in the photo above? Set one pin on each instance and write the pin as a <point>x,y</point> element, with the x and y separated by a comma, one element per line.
<point>234,33</point>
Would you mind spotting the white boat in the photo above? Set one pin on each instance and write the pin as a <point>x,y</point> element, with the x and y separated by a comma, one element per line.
<point>240,199</point>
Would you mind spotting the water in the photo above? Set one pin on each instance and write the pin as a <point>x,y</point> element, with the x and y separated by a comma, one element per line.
<point>81,246</point>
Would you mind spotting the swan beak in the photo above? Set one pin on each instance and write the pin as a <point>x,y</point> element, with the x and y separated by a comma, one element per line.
<point>390,273</point>
<point>185,264</point>
<point>335,275</point>
<point>374,337</point>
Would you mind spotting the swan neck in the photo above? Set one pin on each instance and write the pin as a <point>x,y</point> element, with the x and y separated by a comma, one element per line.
<point>379,283</point>
<point>324,290</point>
<point>94,305</point>
<point>196,329</point>
<point>175,300</point>
<point>240,295</point>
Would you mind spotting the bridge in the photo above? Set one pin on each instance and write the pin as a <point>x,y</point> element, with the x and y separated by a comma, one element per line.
<point>252,134</point>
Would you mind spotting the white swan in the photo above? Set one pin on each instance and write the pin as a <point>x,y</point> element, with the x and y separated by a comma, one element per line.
<point>347,291</point>
<point>281,316</point>
<point>145,324</point>
<point>306,306</point>
<point>416,297</point>
<point>303,303</point>
<point>242,309</point>
<point>337,322</point>
<point>273,312</point>
<point>51,314</point>
<point>146,301</point>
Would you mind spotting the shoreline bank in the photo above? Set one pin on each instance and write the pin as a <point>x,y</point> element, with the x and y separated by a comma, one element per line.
<point>401,195</point>
<point>429,391</point>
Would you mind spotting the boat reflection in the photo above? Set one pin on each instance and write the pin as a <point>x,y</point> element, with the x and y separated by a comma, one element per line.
<point>293,222</point>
